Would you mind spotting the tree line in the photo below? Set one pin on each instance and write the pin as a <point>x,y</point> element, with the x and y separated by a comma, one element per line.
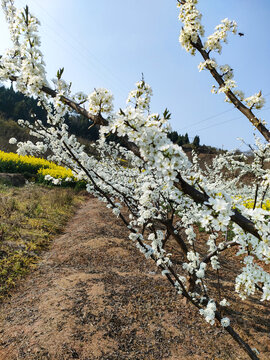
<point>15,105</point>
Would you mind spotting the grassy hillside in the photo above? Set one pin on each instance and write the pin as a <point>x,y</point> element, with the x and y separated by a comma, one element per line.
<point>30,217</point>
<point>9,128</point>
<point>14,105</point>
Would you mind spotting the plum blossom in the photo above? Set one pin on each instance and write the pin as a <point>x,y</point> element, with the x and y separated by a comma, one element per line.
<point>225,322</point>
<point>209,312</point>
<point>256,101</point>
<point>13,141</point>
<point>100,101</point>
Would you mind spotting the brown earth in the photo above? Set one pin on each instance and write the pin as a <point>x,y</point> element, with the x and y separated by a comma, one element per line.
<point>93,296</point>
<point>12,179</point>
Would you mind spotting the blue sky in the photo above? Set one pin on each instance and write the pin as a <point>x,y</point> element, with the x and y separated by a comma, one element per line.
<point>103,43</point>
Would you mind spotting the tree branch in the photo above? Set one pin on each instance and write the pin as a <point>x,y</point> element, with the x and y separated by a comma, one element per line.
<point>236,102</point>
<point>201,198</point>
<point>197,196</point>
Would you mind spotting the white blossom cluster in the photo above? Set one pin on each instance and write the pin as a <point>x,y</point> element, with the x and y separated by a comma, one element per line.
<point>207,64</point>
<point>256,101</point>
<point>53,180</point>
<point>29,148</point>
<point>100,101</point>
<point>141,96</point>
<point>80,97</point>
<point>252,275</point>
<point>213,42</point>
<point>25,60</point>
<point>13,141</point>
<point>192,27</point>
<point>189,38</point>
<point>209,312</point>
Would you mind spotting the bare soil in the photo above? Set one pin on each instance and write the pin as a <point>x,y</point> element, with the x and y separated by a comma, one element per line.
<point>93,297</point>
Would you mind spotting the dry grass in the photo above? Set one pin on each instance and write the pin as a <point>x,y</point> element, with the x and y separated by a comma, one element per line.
<point>29,217</point>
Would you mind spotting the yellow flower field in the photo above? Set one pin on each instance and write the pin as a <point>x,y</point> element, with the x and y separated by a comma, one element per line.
<point>58,172</point>
<point>249,203</point>
<point>11,162</point>
<point>28,160</point>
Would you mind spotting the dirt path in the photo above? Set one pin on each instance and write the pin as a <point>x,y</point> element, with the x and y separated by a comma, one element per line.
<point>93,297</point>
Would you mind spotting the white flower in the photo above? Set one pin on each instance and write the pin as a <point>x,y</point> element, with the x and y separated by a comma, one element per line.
<point>224,302</point>
<point>266,292</point>
<point>13,141</point>
<point>116,211</point>
<point>255,100</point>
<point>100,101</point>
<point>141,96</point>
<point>225,322</point>
<point>56,181</point>
<point>209,312</point>
<point>205,220</point>
<point>219,204</point>
<point>208,64</point>
<point>215,262</point>
<point>256,351</point>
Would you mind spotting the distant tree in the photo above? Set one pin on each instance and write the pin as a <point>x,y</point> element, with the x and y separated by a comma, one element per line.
<point>186,139</point>
<point>196,141</point>
<point>180,140</point>
<point>173,136</point>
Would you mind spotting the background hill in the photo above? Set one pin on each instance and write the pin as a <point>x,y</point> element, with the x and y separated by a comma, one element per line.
<point>14,105</point>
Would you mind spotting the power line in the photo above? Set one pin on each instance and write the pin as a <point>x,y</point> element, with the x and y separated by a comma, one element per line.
<point>206,119</point>
<point>226,121</point>
<point>84,59</point>
<point>67,44</point>
<point>212,117</point>
<point>82,47</point>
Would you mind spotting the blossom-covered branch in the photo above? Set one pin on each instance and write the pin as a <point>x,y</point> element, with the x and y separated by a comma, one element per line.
<point>191,39</point>
<point>164,194</point>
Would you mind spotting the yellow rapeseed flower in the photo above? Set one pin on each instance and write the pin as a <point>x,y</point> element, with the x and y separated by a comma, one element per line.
<point>57,172</point>
<point>42,166</point>
<point>26,159</point>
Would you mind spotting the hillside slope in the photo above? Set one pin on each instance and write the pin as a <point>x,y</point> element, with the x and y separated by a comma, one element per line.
<point>8,129</point>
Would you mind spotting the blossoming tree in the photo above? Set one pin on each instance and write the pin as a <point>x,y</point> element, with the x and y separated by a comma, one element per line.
<point>160,195</point>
